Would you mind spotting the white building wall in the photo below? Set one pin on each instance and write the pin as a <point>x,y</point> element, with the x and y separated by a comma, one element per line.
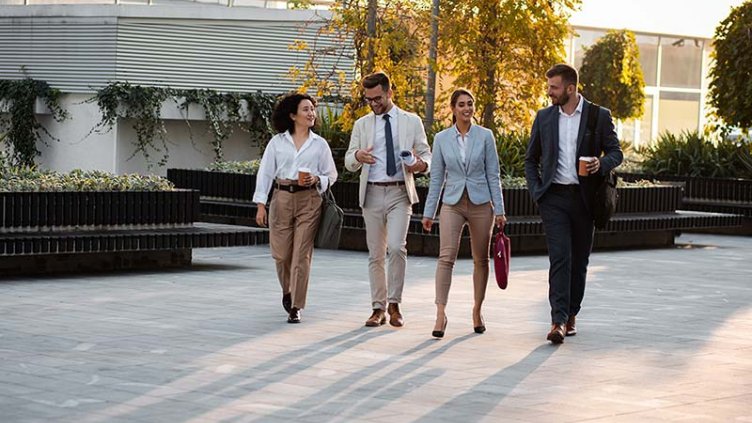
<point>80,48</point>
<point>76,150</point>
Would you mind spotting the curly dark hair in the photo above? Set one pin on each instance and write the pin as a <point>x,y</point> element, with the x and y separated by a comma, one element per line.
<point>286,106</point>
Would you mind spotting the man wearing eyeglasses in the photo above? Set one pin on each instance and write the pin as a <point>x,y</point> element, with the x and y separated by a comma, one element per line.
<point>387,191</point>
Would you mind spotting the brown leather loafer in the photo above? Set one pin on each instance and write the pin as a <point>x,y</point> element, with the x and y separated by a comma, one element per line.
<point>571,328</point>
<point>395,317</point>
<point>377,318</point>
<point>556,335</point>
<point>294,316</point>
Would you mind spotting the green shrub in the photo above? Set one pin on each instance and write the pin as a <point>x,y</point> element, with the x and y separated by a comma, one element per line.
<point>328,127</point>
<point>511,147</point>
<point>27,179</point>
<point>689,154</point>
<point>250,167</point>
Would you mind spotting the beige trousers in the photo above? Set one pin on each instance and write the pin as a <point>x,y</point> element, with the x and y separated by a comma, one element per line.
<point>293,221</point>
<point>480,220</point>
<point>386,213</point>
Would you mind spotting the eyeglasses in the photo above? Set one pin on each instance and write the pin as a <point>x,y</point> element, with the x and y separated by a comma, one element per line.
<point>378,99</point>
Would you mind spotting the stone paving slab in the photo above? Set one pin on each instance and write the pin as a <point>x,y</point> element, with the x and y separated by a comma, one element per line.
<point>665,335</point>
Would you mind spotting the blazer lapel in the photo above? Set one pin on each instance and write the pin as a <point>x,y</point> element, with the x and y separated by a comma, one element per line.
<point>402,131</point>
<point>452,141</point>
<point>370,129</point>
<point>553,123</point>
<point>470,147</point>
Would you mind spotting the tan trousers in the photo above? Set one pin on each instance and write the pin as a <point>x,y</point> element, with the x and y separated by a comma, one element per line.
<point>386,213</point>
<point>480,220</point>
<point>293,221</point>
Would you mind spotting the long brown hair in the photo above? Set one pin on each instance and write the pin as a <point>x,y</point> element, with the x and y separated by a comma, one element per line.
<point>455,96</point>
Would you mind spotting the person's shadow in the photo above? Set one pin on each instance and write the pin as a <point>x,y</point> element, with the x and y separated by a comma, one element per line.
<point>342,400</point>
<point>493,389</point>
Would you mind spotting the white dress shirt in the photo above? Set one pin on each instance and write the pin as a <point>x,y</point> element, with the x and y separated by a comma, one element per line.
<point>569,127</point>
<point>377,173</point>
<point>282,160</point>
<point>461,142</point>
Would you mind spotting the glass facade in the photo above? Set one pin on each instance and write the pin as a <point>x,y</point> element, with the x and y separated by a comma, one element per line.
<point>648,46</point>
<point>678,111</point>
<point>681,62</point>
<point>673,68</point>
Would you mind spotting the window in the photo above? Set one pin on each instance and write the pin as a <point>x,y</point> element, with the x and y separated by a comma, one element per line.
<point>678,112</point>
<point>586,39</point>
<point>646,122</point>
<point>648,58</point>
<point>681,62</point>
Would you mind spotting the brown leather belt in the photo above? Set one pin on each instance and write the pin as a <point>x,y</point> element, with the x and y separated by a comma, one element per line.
<point>293,188</point>
<point>387,184</point>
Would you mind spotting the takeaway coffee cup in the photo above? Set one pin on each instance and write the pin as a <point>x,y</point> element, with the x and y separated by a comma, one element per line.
<point>582,169</point>
<point>407,157</point>
<point>303,173</point>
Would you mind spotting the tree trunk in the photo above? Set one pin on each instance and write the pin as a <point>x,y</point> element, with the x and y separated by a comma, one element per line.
<point>370,36</point>
<point>489,87</point>
<point>432,49</point>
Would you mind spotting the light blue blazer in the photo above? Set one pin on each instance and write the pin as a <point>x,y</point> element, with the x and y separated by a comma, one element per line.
<point>479,174</point>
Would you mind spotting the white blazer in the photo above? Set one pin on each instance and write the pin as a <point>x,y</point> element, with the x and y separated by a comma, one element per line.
<point>411,136</point>
<point>479,174</point>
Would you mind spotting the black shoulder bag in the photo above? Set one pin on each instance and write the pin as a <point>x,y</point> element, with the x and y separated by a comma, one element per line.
<point>330,225</point>
<point>606,196</point>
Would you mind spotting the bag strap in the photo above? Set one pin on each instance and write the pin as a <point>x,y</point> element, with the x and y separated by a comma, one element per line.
<point>592,122</point>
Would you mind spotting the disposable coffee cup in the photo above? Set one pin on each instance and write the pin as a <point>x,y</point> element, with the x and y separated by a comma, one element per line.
<point>407,157</point>
<point>582,169</point>
<point>303,174</point>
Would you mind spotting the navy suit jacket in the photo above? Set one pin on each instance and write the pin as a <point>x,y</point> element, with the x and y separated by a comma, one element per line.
<point>542,156</point>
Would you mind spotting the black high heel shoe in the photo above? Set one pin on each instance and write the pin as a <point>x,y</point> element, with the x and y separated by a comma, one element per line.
<point>481,328</point>
<point>440,333</point>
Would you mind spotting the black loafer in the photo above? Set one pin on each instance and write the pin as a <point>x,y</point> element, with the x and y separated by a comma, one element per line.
<point>294,316</point>
<point>287,302</point>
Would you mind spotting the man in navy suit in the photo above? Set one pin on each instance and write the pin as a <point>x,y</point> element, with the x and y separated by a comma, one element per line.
<point>564,198</point>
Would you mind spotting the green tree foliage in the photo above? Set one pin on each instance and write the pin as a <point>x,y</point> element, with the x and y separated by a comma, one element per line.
<point>501,49</point>
<point>399,46</point>
<point>731,81</point>
<point>611,75</point>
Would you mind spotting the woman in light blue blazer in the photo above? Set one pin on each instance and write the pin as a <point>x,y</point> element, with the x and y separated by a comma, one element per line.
<point>466,165</point>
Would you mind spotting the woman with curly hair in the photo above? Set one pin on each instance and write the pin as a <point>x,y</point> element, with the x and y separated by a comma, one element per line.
<point>298,164</point>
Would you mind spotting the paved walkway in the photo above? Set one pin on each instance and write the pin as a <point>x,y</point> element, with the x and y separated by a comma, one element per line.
<point>664,335</point>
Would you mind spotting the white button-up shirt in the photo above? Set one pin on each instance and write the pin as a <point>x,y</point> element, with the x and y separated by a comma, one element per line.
<point>461,142</point>
<point>282,160</point>
<point>377,173</point>
<point>569,127</point>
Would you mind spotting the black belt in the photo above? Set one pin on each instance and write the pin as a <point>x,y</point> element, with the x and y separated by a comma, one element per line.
<point>564,188</point>
<point>387,184</point>
<point>292,188</point>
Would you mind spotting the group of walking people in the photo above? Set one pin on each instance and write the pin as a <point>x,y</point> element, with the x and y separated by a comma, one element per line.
<point>389,146</point>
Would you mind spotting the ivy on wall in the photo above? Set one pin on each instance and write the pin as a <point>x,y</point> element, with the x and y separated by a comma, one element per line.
<point>19,127</point>
<point>223,111</point>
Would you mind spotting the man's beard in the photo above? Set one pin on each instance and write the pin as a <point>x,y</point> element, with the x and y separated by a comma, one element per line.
<point>561,100</point>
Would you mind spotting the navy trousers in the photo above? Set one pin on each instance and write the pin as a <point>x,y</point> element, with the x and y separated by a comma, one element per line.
<point>569,235</point>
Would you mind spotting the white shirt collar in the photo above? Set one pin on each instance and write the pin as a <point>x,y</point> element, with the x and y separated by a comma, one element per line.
<point>457,131</point>
<point>577,110</point>
<point>392,113</point>
<point>311,135</point>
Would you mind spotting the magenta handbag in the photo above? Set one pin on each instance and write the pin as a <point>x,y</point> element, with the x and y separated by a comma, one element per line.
<point>502,249</point>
